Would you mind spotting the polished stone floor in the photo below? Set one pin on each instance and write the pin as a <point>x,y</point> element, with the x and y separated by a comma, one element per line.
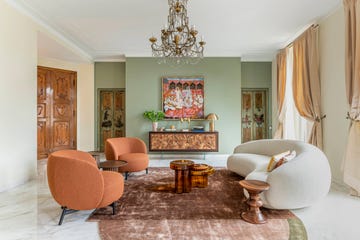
<point>29,212</point>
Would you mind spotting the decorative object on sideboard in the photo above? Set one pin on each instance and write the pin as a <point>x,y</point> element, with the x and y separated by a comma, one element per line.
<point>212,117</point>
<point>188,120</point>
<point>178,40</point>
<point>198,129</point>
<point>154,117</point>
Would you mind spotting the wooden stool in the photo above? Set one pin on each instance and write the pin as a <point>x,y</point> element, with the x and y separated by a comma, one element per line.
<point>254,188</point>
<point>182,175</point>
<point>199,175</point>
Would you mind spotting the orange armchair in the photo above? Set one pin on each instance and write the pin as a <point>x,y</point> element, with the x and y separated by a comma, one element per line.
<point>132,150</point>
<point>76,183</point>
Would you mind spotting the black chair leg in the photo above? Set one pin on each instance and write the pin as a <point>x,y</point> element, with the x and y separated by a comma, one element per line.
<point>147,170</point>
<point>64,212</point>
<point>113,205</point>
<point>126,175</point>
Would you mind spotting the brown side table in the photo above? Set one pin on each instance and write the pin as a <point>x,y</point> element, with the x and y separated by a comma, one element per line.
<point>199,175</point>
<point>112,165</point>
<point>96,155</point>
<point>182,175</point>
<point>254,188</point>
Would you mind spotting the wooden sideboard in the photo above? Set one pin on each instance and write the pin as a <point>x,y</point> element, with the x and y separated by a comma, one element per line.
<point>184,141</point>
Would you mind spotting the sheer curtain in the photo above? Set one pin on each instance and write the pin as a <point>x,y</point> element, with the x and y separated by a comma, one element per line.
<point>351,163</point>
<point>294,126</point>
<point>281,85</point>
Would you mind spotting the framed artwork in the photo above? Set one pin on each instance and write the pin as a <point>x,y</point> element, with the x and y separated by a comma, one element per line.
<point>183,97</point>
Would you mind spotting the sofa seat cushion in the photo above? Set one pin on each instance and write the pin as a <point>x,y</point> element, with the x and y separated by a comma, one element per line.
<point>136,162</point>
<point>245,163</point>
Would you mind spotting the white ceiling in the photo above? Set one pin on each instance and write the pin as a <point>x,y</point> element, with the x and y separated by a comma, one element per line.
<point>112,29</point>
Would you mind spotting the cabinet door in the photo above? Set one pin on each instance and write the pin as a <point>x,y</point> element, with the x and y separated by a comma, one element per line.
<point>254,114</point>
<point>111,115</point>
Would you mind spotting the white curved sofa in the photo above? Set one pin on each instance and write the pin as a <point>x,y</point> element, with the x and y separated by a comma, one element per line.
<point>295,184</point>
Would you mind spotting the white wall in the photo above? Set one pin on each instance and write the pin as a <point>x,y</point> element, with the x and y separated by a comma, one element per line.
<point>85,99</point>
<point>18,59</point>
<point>18,96</point>
<point>332,74</point>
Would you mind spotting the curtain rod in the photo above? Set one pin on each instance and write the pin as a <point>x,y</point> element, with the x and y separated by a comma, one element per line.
<point>292,42</point>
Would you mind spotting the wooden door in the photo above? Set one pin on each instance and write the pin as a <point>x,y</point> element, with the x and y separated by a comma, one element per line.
<point>254,114</point>
<point>111,115</point>
<point>56,110</point>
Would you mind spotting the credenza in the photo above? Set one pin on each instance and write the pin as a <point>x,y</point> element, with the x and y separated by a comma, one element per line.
<point>184,141</point>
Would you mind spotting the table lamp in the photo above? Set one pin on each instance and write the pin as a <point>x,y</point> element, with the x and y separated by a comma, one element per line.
<point>212,117</point>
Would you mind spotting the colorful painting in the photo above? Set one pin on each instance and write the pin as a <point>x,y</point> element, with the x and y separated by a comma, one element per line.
<point>183,97</point>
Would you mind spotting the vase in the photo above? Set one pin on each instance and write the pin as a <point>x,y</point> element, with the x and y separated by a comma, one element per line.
<point>154,126</point>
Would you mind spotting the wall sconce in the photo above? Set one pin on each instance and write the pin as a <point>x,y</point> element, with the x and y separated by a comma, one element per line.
<point>212,117</point>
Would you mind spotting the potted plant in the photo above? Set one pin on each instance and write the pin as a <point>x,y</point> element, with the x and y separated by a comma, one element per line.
<point>154,117</point>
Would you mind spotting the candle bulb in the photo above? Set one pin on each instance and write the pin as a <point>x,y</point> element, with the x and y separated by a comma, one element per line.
<point>193,27</point>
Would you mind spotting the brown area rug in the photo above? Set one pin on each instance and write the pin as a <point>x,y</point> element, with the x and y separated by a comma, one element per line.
<point>149,209</point>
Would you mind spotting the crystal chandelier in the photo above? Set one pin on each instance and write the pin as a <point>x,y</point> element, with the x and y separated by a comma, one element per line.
<point>178,40</point>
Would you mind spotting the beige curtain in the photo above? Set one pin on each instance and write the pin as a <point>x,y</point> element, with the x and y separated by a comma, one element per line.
<point>281,84</point>
<point>351,163</point>
<point>306,82</point>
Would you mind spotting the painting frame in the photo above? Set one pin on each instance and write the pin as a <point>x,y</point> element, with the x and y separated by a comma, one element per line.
<point>183,97</point>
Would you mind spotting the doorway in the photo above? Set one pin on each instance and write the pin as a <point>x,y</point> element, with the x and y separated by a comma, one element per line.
<point>56,110</point>
<point>254,119</point>
<point>111,115</point>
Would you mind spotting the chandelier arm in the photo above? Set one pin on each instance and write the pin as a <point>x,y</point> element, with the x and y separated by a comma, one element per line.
<point>178,41</point>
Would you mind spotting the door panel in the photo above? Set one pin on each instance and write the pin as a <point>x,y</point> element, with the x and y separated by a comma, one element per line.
<point>56,110</point>
<point>111,115</point>
<point>254,114</point>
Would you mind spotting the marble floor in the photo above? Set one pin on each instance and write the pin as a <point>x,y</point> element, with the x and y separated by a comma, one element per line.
<point>29,212</point>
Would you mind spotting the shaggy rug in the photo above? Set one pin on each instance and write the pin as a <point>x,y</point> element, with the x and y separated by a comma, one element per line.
<point>149,209</point>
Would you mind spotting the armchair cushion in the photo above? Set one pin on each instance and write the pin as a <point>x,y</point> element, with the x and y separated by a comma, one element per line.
<point>136,161</point>
<point>113,187</point>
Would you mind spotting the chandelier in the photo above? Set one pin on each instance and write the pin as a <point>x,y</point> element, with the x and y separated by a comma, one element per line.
<point>178,40</point>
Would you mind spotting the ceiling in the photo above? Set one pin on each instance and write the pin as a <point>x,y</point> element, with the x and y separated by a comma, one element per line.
<point>110,30</point>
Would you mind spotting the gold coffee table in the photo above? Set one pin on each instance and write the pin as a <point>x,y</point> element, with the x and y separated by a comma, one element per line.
<point>182,175</point>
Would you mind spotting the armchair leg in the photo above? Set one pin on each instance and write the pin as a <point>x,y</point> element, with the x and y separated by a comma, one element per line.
<point>147,170</point>
<point>126,175</point>
<point>113,205</point>
<point>64,212</point>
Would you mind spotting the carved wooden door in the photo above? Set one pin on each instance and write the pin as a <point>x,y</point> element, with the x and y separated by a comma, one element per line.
<point>254,114</point>
<point>111,115</point>
<point>56,110</point>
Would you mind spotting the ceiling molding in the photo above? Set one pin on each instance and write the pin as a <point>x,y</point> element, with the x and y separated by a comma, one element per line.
<point>37,18</point>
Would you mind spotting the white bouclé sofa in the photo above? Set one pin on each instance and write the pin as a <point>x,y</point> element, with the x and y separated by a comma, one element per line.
<point>296,184</point>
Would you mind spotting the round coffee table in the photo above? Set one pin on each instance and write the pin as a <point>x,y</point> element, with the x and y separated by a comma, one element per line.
<point>112,165</point>
<point>254,188</point>
<point>182,175</point>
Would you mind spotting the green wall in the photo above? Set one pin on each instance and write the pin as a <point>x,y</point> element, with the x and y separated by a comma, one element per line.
<point>259,75</point>
<point>107,75</point>
<point>222,95</point>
